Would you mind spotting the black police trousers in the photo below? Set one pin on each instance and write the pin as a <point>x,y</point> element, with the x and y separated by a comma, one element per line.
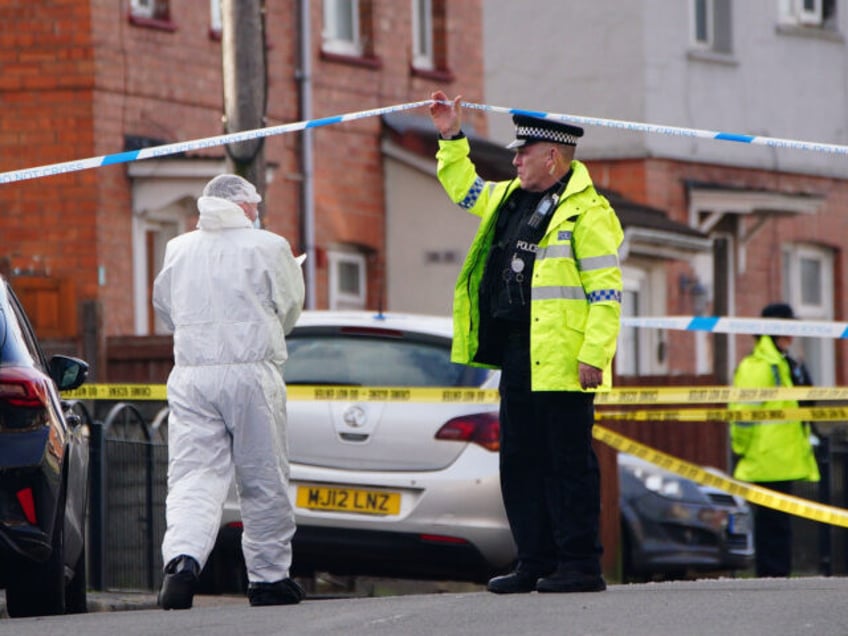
<point>773,536</point>
<point>550,479</point>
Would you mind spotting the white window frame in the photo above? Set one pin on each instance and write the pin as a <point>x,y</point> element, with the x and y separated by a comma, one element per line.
<point>422,34</point>
<point>341,299</point>
<point>336,14</point>
<point>710,42</point>
<point>812,16</point>
<point>150,9</point>
<point>216,19</point>
<point>165,224</point>
<point>645,281</point>
<point>164,194</point>
<point>707,41</point>
<point>795,12</point>
<point>820,354</point>
<point>629,353</point>
<point>143,8</point>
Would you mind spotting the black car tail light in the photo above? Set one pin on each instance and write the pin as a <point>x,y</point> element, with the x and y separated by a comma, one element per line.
<point>479,428</point>
<point>442,538</point>
<point>23,398</point>
<point>27,503</point>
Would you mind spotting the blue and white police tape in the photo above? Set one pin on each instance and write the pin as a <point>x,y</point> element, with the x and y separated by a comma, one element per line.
<point>219,140</point>
<point>755,326</point>
<point>674,131</point>
<point>196,144</point>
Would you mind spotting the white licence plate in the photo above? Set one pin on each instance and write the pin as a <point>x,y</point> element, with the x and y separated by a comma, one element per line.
<point>739,524</point>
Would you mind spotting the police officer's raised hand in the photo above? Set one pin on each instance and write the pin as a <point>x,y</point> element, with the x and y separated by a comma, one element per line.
<point>590,377</point>
<point>446,118</point>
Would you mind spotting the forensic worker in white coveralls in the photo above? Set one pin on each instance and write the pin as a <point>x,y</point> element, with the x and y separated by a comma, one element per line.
<point>230,293</point>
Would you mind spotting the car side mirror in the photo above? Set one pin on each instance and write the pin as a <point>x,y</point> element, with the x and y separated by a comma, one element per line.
<point>68,373</point>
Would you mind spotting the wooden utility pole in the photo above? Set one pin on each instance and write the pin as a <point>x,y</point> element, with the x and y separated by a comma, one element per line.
<point>245,85</point>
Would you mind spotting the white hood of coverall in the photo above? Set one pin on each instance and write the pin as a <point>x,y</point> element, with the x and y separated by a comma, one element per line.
<point>220,321</point>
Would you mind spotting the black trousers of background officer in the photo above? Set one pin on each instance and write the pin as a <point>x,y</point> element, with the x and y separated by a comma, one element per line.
<point>773,536</point>
<point>550,479</point>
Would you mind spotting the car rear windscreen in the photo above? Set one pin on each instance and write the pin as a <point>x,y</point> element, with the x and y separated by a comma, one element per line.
<point>365,361</point>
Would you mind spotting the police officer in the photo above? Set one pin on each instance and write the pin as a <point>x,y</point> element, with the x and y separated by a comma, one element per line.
<point>539,296</point>
<point>772,454</point>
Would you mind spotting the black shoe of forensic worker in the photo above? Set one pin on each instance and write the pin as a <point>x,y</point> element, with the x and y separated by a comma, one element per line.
<point>284,592</point>
<point>564,583</point>
<point>179,583</point>
<point>517,582</point>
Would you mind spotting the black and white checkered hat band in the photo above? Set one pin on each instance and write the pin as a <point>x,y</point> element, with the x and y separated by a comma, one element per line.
<point>545,134</point>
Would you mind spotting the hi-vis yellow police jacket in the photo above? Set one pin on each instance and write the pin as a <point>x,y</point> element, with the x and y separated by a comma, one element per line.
<point>575,308</point>
<point>770,451</point>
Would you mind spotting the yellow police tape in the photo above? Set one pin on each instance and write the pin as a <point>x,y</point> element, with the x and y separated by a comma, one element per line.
<point>157,392</point>
<point>806,414</point>
<point>302,393</point>
<point>711,394</point>
<point>755,494</point>
<point>618,396</point>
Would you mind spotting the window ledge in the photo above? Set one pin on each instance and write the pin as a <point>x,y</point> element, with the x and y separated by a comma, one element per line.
<point>439,75</point>
<point>704,55</point>
<point>152,23</point>
<point>373,63</point>
<point>814,32</point>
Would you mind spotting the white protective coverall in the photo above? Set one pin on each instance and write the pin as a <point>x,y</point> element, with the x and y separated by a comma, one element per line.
<point>230,293</point>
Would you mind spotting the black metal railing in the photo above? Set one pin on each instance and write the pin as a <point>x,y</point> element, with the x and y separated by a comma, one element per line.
<point>129,463</point>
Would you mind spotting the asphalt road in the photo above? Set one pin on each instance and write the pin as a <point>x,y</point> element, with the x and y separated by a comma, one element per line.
<point>773,607</point>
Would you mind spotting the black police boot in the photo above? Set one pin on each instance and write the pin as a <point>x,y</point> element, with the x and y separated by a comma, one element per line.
<point>284,592</point>
<point>517,582</point>
<point>568,581</point>
<point>179,583</point>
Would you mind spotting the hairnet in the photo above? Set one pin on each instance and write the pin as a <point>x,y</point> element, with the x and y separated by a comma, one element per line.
<point>232,188</point>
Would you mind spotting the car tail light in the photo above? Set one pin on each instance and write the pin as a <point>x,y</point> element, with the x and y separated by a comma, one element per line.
<point>441,538</point>
<point>27,504</point>
<point>23,398</point>
<point>480,428</point>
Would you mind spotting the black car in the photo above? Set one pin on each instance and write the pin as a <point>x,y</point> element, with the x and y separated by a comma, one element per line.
<point>672,527</point>
<point>43,472</point>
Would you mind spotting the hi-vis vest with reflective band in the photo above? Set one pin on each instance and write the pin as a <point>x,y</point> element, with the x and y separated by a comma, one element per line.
<point>575,309</point>
<point>770,451</point>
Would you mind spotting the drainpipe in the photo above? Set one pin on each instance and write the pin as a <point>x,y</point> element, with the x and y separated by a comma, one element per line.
<point>304,77</point>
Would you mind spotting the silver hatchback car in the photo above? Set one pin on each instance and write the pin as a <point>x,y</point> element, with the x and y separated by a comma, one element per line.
<point>410,488</point>
<point>388,487</point>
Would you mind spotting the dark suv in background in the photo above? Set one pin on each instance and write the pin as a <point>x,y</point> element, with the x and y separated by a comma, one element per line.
<point>43,472</point>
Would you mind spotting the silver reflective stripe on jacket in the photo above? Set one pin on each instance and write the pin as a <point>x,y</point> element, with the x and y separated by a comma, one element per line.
<point>554,251</point>
<point>558,292</point>
<point>598,262</point>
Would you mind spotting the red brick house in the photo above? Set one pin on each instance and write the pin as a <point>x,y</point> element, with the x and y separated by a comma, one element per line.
<point>86,78</point>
